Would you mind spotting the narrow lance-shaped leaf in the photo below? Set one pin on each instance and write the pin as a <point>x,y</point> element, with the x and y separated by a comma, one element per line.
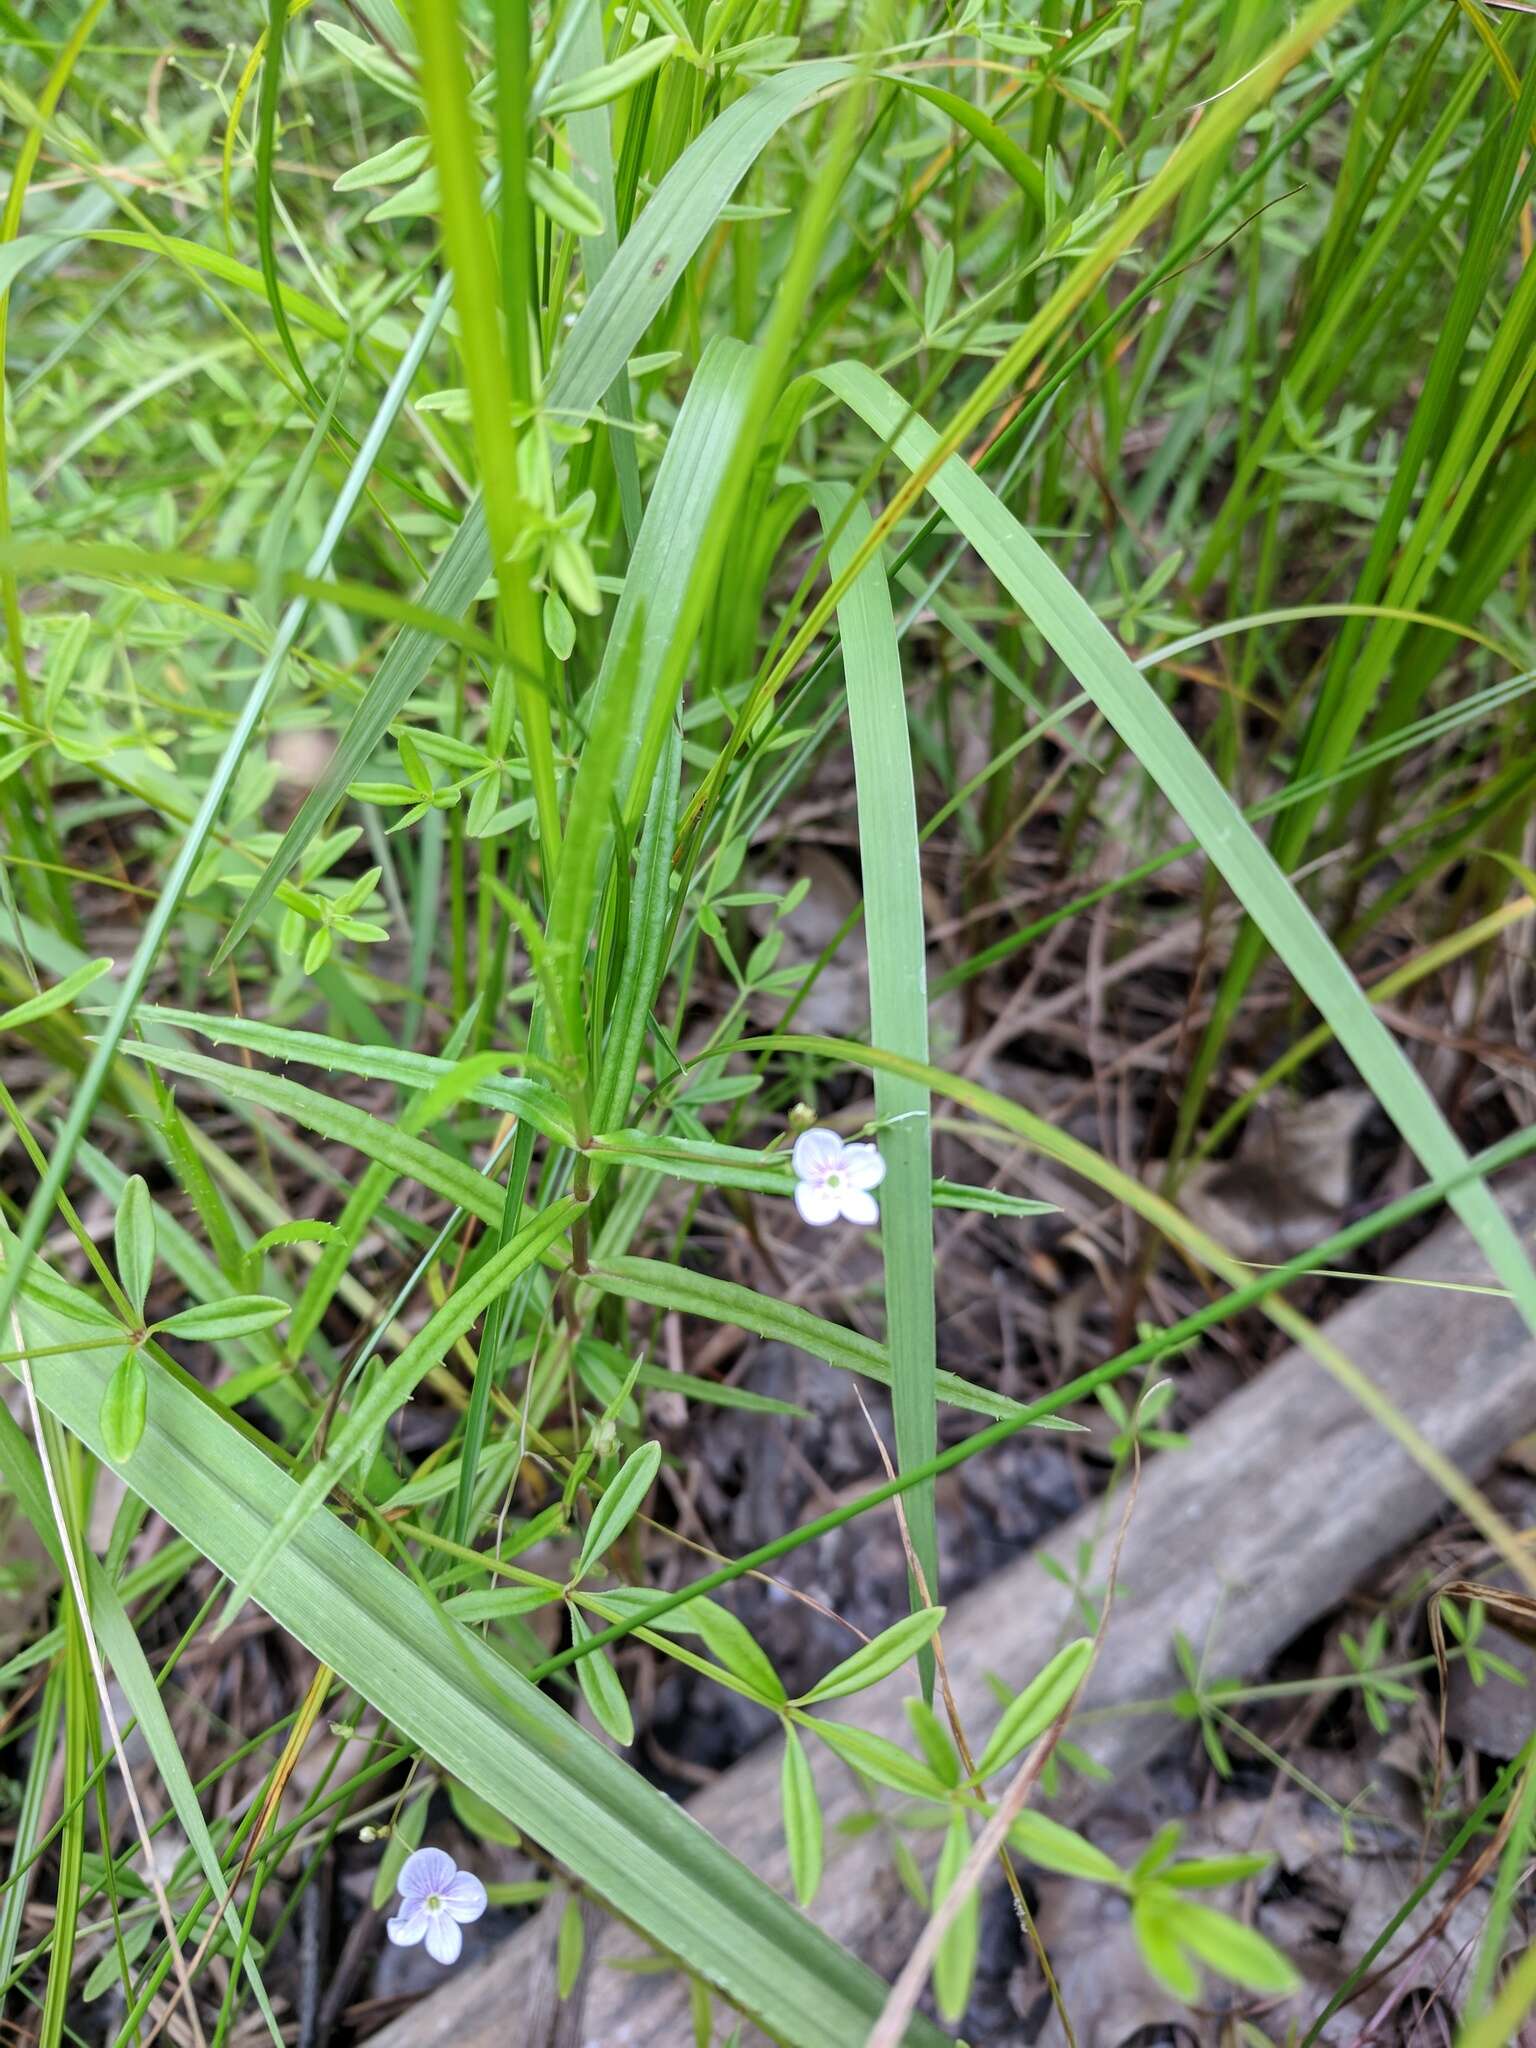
<point>535,1105</point>
<point>59,997</point>
<point>1228,1947</point>
<point>934,1741</point>
<point>607,82</point>
<point>1035,1708</point>
<point>802,1818</point>
<point>726,1301</point>
<point>134,1240</point>
<point>879,1758</point>
<point>1057,1847</point>
<point>1161,1949</point>
<point>214,1320</point>
<point>375,1137</point>
<point>123,1408</point>
<point>954,1964</point>
<point>878,1659</point>
<point>500,1603</point>
<point>600,1686</point>
<point>619,1505</point>
<point>301,1231</point>
<point>570,1945</point>
<point>1212,1873</point>
<point>723,1635</point>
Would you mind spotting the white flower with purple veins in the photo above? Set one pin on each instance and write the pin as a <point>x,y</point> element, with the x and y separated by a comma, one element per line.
<point>833,1179</point>
<point>435,1897</point>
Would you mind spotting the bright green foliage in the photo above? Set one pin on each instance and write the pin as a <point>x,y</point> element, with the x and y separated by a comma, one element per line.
<point>1034,1709</point>
<point>134,1237</point>
<point>617,1508</point>
<point>478,493</point>
<point>878,1659</point>
<point>955,1964</point>
<point>802,1819</point>
<point>123,1407</point>
<point>569,1946</point>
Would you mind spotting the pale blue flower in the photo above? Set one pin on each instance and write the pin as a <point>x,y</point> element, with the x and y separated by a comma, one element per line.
<point>833,1179</point>
<point>435,1897</point>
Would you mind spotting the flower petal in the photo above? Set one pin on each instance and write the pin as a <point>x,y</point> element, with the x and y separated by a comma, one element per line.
<point>858,1207</point>
<point>424,1872</point>
<point>817,1152</point>
<point>816,1202</point>
<point>444,1941</point>
<point>863,1165</point>
<point>465,1897</point>
<point>409,1928</point>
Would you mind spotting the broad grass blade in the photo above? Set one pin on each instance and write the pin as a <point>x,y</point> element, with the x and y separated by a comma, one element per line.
<point>448,1692</point>
<point>1092,654</point>
<point>898,1000</point>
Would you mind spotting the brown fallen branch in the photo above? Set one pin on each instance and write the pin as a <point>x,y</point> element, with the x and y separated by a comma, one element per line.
<point>1285,1498</point>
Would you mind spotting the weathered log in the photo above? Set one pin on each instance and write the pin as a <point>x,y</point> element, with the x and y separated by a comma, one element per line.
<point>1284,1499</point>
